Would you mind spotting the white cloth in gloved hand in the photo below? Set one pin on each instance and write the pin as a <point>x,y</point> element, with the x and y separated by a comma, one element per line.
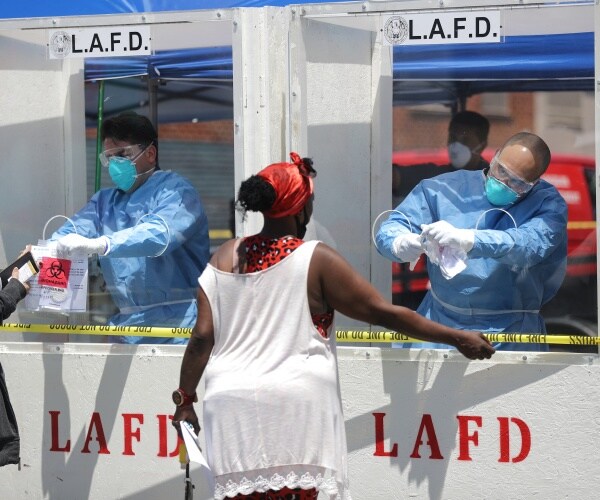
<point>407,247</point>
<point>450,260</point>
<point>74,243</point>
<point>446,235</point>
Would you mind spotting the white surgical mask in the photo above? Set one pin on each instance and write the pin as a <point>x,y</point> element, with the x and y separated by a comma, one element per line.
<point>460,155</point>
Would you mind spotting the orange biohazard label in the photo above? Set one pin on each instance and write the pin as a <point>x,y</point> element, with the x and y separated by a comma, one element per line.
<point>54,272</point>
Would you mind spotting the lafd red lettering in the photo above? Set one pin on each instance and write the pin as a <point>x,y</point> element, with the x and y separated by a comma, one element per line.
<point>129,433</point>
<point>505,439</point>
<point>427,425</point>
<point>96,423</point>
<point>163,426</point>
<point>464,437</point>
<point>54,433</point>
<point>380,437</point>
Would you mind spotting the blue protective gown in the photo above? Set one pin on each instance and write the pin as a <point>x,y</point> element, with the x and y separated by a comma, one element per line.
<point>149,291</point>
<point>511,272</point>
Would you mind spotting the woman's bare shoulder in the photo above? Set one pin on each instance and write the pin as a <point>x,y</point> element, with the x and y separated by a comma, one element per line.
<point>326,259</point>
<point>222,259</point>
<point>324,251</point>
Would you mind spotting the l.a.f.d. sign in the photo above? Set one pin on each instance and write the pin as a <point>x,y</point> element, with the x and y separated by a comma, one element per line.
<point>100,42</point>
<point>442,28</point>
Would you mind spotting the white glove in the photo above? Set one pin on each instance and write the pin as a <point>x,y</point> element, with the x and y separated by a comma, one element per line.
<point>446,235</point>
<point>407,247</point>
<point>74,243</point>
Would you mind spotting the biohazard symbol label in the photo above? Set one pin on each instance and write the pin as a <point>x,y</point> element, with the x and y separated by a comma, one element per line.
<point>54,272</point>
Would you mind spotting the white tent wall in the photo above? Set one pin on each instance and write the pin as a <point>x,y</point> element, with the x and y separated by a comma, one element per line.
<point>317,88</point>
<point>42,127</point>
<point>42,137</point>
<point>324,90</point>
<point>94,423</point>
<point>260,91</point>
<point>340,94</point>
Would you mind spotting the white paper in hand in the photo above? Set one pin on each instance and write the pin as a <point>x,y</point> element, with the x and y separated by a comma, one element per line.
<point>191,444</point>
<point>450,260</point>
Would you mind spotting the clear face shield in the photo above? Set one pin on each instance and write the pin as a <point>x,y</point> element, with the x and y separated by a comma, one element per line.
<point>131,153</point>
<point>511,180</point>
<point>121,163</point>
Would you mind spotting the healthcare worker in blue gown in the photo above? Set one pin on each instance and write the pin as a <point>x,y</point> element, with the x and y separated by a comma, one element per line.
<point>150,232</point>
<point>505,224</point>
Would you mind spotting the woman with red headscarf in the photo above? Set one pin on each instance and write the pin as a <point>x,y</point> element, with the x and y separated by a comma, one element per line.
<point>263,339</point>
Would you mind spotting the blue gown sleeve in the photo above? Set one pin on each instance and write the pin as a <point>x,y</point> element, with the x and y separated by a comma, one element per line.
<point>176,215</point>
<point>530,243</point>
<point>85,222</point>
<point>406,218</point>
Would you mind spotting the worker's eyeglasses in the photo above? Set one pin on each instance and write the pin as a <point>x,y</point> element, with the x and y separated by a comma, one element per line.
<point>506,176</point>
<point>131,152</point>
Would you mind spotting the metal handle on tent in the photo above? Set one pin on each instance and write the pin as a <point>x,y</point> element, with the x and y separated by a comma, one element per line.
<point>490,210</point>
<point>164,222</point>
<point>55,217</point>
<point>412,264</point>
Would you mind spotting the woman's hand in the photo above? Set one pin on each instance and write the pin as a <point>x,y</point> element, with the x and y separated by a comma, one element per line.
<point>185,414</point>
<point>474,345</point>
<point>15,275</point>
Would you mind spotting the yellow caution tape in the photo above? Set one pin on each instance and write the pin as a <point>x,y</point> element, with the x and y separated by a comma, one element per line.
<point>351,336</point>
<point>125,331</point>
<point>523,338</point>
<point>225,234</point>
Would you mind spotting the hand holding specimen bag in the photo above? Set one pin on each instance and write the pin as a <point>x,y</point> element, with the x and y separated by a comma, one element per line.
<point>62,283</point>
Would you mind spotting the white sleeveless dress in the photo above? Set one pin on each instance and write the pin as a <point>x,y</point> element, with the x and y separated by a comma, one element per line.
<point>272,406</point>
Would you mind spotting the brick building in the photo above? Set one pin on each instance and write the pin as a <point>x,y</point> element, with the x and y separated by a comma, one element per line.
<point>203,151</point>
<point>565,120</point>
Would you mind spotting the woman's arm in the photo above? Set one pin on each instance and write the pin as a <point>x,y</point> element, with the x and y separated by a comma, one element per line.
<point>195,359</point>
<point>349,293</point>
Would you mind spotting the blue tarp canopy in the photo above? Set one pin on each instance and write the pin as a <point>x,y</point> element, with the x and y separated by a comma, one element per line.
<point>442,73</point>
<point>539,57</point>
<point>213,63</point>
<point>422,73</point>
<point>60,8</point>
<point>200,80</point>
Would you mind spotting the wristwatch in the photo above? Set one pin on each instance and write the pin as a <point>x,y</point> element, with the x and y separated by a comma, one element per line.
<point>180,398</point>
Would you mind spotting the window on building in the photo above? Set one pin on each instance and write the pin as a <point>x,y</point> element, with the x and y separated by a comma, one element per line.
<point>495,105</point>
<point>564,110</point>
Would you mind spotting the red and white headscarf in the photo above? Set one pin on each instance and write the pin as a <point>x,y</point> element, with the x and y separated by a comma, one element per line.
<point>293,186</point>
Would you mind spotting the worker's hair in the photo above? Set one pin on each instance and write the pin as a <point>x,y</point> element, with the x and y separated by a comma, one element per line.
<point>255,195</point>
<point>478,123</point>
<point>132,128</point>
<point>536,145</point>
